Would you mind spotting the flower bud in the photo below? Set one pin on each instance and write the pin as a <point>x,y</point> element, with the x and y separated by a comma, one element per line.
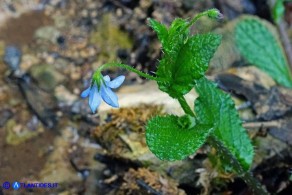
<point>215,14</point>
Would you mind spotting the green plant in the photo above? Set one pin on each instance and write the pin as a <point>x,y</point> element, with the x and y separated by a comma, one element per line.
<point>278,10</point>
<point>259,46</point>
<point>214,120</point>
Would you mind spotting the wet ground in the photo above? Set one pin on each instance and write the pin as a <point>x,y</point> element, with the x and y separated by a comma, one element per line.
<point>47,132</point>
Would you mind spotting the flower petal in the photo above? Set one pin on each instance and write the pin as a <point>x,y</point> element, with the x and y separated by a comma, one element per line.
<point>109,96</point>
<point>116,82</point>
<point>94,99</point>
<point>85,93</point>
<point>106,78</point>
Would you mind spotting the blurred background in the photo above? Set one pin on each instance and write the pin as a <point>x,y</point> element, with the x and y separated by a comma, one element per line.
<point>49,50</point>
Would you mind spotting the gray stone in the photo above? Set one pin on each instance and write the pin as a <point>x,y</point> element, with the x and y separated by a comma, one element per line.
<point>5,115</point>
<point>12,57</point>
<point>64,96</point>
<point>46,76</point>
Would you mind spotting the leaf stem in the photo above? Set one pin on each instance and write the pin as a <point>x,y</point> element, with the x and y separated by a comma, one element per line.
<point>247,176</point>
<point>125,66</point>
<point>187,109</point>
<point>253,183</point>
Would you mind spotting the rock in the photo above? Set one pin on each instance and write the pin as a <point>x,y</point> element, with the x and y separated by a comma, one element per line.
<point>58,168</point>
<point>267,147</point>
<point>12,57</point>
<point>145,4</point>
<point>60,21</point>
<point>80,107</point>
<point>64,96</point>
<point>39,101</point>
<point>136,94</point>
<point>17,133</point>
<point>227,53</point>
<point>109,39</point>
<point>254,74</point>
<point>61,64</point>
<point>71,154</point>
<point>47,33</point>
<point>28,60</point>
<point>5,115</point>
<point>46,76</point>
<point>75,73</point>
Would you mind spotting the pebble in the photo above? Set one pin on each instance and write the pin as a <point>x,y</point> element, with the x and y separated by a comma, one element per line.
<point>75,73</point>
<point>5,115</point>
<point>64,96</point>
<point>46,76</point>
<point>28,60</point>
<point>47,33</point>
<point>12,57</point>
<point>145,4</point>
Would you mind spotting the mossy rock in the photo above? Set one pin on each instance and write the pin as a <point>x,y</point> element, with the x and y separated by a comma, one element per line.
<point>46,76</point>
<point>109,38</point>
<point>17,134</point>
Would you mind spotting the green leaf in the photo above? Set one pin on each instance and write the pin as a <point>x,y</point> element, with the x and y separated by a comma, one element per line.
<point>215,107</point>
<point>177,35</point>
<point>160,29</point>
<point>175,138</point>
<point>185,58</point>
<point>258,45</point>
<point>191,63</point>
<point>194,57</point>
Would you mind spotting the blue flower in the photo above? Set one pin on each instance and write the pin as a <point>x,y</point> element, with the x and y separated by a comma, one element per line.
<point>103,91</point>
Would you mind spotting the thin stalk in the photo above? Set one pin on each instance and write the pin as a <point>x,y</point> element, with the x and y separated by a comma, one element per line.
<point>127,67</point>
<point>205,13</point>
<point>187,109</point>
<point>196,17</point>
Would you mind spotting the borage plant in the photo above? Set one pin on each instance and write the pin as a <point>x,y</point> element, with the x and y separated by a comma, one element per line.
<point>213,120</point>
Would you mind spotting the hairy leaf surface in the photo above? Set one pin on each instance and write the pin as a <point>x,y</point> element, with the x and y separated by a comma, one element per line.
<point>169,137</point>
<point>261,48</point>
<point>185,58</point>
<point>216,107</point>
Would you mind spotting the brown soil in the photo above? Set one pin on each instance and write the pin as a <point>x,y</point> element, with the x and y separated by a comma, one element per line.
<point>20,30</point>
<point>25,160</point>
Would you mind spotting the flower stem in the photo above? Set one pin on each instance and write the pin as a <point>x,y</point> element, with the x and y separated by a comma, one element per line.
<point>205,13</point>
<point>125,66</point>
<point>187,109</point>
